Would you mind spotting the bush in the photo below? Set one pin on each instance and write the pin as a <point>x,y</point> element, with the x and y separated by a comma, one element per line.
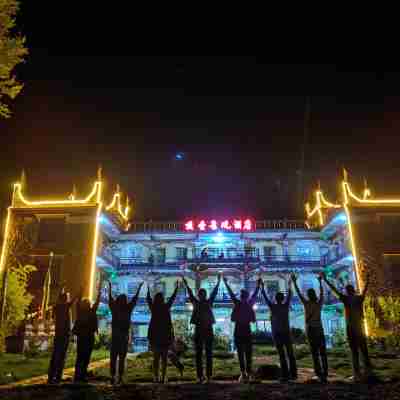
<point>102,341</point>
<point>339,338</point>
<point>302,351</point>
<point>298,336</point>
<point>34,348</point>
<point>145,355</point>
<point>221,341</point>
<point>263,337</point>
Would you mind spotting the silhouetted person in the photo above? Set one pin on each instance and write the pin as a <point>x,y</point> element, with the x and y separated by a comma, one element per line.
<point>63,322</point>
<point>243,315</point>
<point>85,328</point>
<point>121,311</point>
<point>151,259</point>
<point>354,314</point>
<point>203,320</point>
<point>204,254</point>
<point>314,329</point>
<point>221,256</point>
<point>161,333</point>
<point>281,332</point>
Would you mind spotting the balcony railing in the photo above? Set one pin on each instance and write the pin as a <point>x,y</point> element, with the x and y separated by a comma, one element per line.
<point>253,258</point>
<point>173,226</point>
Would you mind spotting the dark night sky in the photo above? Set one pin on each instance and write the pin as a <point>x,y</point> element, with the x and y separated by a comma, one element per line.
<point>239,121</point>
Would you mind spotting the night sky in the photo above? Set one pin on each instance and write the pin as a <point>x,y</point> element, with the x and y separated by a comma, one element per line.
<point>237,120</point>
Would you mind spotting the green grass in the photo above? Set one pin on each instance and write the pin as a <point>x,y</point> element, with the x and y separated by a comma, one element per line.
<point>21,367</point>
<point>225,365</point>
<point>227,368</point>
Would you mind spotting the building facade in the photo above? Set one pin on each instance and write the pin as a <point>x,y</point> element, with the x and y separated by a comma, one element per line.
<point>243,250</point>
<point>78,239</point>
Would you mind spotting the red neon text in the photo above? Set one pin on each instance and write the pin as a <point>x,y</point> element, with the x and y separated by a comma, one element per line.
<point>203,225</point>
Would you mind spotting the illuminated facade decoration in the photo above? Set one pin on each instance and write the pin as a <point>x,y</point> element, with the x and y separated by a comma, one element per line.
<point>70,229</point>
<point>365,233</point>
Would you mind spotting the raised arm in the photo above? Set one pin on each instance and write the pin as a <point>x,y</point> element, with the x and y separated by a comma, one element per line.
<point>230,291</point>
<point>296,288</point>
<point>290,293</point>
<point>136,296</point>
<point>321,290</point>
<point>367,280</point>
<point>333,288</point>
<point>148,298</point>
<point>263,292</point>
<point>96,304</point>
<point>78,297</point>
<point>110,297</point>
<point>173,297</point>
<point>190,291</point>
<point>253,297</point>
<point>214,293</point>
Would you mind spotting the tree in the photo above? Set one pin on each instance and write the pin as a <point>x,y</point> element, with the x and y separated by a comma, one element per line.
<point>17,301</point>
<point>12,53</point>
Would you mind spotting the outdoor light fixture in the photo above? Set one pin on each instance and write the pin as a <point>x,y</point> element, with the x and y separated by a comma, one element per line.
<point>219,238</point>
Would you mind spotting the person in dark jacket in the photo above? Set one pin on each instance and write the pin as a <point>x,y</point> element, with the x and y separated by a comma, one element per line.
<point>121,311</point>
<point>62,313</point>
<point>203,320</point>
<point>85,328</point>
<point>281,332</point>
<point>161,332</point>
<point>314,329</point>
<point>243,315</point>
<point>354,314</point>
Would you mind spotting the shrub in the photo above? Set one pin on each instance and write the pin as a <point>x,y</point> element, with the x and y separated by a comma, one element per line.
<point>339,338</point>
<point>298,336</point>
<point>221,341</point>
<point>263,337</point>
<point>102,340</point>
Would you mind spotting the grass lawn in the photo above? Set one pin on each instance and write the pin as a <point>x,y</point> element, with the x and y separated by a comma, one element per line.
<point>14,367</point>
<point>21,367</point>
<point>139,369</point>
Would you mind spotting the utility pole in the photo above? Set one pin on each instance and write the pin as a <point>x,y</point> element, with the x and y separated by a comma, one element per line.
<point>300,174</point>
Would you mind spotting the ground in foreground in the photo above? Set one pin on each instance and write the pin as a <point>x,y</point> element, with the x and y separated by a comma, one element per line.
<point>218,391</point>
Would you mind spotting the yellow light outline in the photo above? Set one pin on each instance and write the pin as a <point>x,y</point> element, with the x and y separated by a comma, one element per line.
<point>117,201</point>
<point>4,247</point>
<point>94,251</point>
<point>96,190</point>
<point>366,193</point>
<point>353,245</point>
<point>320,203</point>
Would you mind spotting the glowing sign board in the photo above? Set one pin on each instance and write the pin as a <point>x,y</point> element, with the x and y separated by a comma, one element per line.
<point>228,225</point>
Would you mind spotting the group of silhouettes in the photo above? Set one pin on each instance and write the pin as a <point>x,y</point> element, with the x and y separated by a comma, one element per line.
<point>165,346</point>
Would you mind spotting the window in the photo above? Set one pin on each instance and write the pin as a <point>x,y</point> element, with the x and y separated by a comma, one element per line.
<point>160,255</point>
<point>307,284</point>
<point>269,251</point>
<point>181,253</point>
<point>132,288</point>
<point>272,287</point>
<point>160,287</point>
<point>303,251</point>
<point>250,252</point>
<point>51,232</point>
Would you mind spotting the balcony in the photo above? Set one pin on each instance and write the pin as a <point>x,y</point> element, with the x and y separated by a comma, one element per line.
<point>213,261</point>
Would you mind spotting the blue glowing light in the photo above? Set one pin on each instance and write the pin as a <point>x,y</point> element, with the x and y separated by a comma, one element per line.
<point>179,156</point>
<point>219,238</point>
<point>341,217</point>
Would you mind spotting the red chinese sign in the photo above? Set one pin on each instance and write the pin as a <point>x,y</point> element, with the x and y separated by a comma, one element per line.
<point>229,225</point>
